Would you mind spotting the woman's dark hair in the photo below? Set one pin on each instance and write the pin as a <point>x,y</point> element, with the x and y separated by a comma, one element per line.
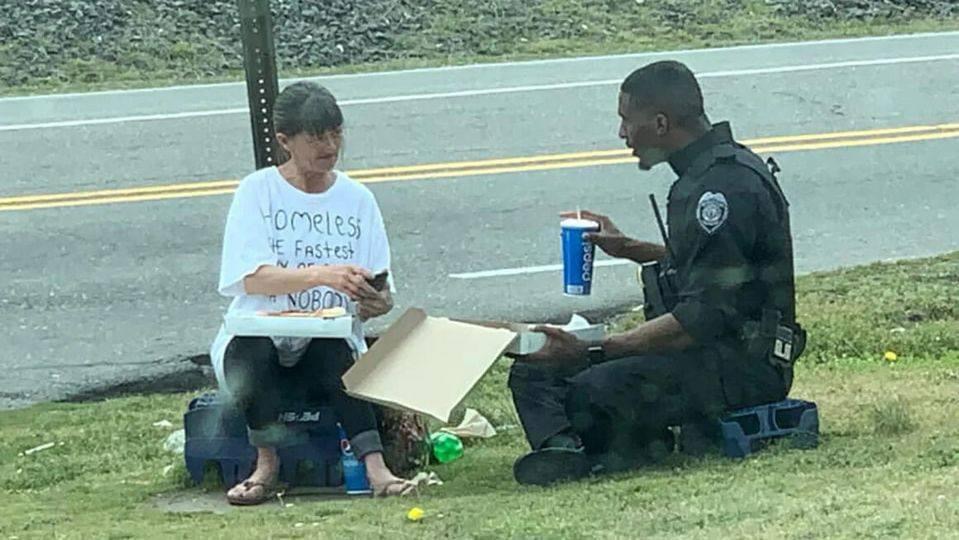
<point>306,107</point>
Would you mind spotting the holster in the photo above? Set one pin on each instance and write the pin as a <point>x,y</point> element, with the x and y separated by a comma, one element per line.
<point>780,343</point>
<point>659,290</point>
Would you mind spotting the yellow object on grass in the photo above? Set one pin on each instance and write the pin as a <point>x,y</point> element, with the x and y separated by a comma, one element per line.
<point>891,356</point>
<point>415,514</point>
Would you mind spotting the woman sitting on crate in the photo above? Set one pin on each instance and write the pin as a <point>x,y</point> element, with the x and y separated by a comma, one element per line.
<point>302,237</point>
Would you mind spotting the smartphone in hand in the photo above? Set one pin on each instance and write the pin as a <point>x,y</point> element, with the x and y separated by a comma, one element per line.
<point>378,281</point>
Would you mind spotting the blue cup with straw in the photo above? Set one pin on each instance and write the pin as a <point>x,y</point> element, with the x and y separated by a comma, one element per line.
<point>578,255</point>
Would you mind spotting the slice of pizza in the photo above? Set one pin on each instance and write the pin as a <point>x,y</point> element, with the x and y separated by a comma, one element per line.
<point>328,313</point>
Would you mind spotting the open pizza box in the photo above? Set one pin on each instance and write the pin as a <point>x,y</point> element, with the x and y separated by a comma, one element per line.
<point>427,365</point>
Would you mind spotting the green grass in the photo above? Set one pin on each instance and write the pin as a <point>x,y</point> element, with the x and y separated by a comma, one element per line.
<point>856,315</point>
<point>461,32</point>
<point>887,466</point>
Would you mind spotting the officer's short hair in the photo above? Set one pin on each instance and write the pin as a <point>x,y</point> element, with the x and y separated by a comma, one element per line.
<point>668,86</point>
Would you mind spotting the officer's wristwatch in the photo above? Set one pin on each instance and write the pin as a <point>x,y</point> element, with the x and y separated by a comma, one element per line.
<point>596,354</point>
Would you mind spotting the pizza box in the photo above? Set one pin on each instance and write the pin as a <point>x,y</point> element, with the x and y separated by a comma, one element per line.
<point>258,324</point>
<point>427,365</point>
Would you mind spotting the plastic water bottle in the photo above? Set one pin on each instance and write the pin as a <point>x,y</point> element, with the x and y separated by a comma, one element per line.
<point>354,470</point>
<point>446,446</point>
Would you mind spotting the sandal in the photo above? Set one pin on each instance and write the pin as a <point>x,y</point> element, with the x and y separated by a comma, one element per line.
<point>394,488</point>
<point>266,492</point>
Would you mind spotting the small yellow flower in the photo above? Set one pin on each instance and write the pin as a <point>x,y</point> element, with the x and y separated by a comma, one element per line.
<point>415,514</point>
<point>891,356</point>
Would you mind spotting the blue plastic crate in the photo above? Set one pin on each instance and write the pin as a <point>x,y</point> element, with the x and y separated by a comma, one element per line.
<point>215,432</point>
<point>747,430</point>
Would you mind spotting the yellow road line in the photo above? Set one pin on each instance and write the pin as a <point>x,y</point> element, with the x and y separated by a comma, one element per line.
<point>855,134</point>
<point>460,165</point>
<point>624,152</point>
<point>794,143</point>
<point>189,186</point>
<point>856,143</point>
<point>123,199</point>
<point>630,159</point>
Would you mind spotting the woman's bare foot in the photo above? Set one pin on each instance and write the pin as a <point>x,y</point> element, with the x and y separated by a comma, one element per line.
<point>382,480</point>
<point>260,485</point>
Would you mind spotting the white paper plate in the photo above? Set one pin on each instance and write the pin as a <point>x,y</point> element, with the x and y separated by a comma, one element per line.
<point>530,342</point>
<point>248,324</point>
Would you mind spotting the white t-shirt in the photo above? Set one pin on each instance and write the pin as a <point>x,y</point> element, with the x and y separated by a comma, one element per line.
<point>273,223</point>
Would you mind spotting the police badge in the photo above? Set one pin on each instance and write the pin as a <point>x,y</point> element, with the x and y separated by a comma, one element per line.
<point>712,211</point>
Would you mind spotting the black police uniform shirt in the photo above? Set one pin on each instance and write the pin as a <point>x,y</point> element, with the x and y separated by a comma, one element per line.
<point>730,239</point>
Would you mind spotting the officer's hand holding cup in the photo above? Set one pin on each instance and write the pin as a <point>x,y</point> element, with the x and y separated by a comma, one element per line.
<point>609,238</point>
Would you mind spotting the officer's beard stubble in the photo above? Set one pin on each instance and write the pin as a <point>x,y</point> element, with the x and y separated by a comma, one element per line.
<point>650,157</point>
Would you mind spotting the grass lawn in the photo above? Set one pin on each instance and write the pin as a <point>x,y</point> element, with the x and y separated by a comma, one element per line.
<point>462,32</point>
<point>887,465</point>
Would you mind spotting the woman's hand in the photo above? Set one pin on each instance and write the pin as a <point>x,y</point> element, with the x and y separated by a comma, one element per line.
<point>346,278</point>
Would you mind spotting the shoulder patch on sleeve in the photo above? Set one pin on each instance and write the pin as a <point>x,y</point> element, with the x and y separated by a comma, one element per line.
<point>712,211</point>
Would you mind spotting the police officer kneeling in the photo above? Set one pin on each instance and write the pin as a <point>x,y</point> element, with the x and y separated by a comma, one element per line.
<point>721,332</point>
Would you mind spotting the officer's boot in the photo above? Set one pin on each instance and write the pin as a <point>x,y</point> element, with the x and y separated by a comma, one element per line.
<point>699,438</point>
<point>561,458</point>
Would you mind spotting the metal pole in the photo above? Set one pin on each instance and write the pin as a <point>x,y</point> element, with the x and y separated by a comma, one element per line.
<point>262,87</point>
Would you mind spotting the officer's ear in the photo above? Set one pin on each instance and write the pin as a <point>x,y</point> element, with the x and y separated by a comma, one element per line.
<point>661,124</point>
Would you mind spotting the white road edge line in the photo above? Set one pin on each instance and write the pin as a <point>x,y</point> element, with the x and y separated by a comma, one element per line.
<point>489,91</point>
<point>532,270</point>
<point>487,65</point>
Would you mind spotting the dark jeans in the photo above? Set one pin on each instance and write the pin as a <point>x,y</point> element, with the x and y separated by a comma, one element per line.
<point>262,388</point>
<point>621,407</point>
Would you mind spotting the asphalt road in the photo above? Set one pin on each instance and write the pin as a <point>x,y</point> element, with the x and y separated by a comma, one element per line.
<point>111,292</point>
